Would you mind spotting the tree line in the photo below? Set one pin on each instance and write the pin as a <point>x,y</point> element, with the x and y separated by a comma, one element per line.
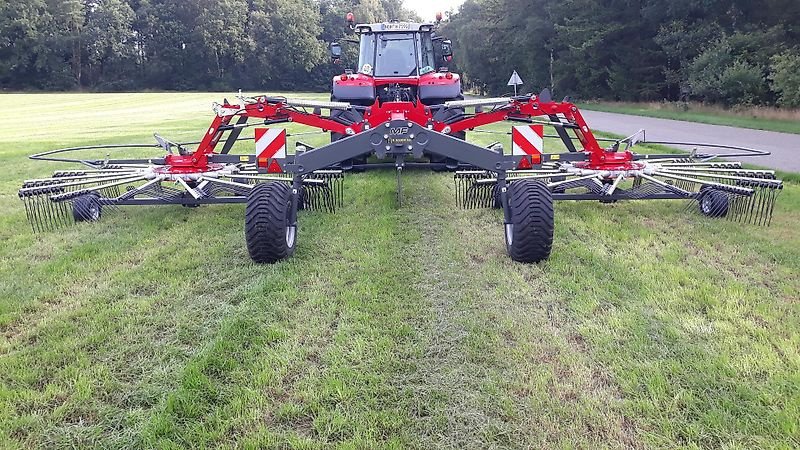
<point>732,52</point>
<point>175,44</point>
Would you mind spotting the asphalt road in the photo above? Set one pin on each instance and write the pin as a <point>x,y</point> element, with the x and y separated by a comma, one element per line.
<point>785,147</point>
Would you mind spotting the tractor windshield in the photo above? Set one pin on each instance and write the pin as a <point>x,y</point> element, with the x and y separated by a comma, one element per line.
<point>395,54</point>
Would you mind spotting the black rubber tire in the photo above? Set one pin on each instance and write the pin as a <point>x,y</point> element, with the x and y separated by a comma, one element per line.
<point>266,223</point>
<point>713,202</point>
<point>497,202</point>
<point>558,190</point>
<point>87,208</point>
<point>530,237</point>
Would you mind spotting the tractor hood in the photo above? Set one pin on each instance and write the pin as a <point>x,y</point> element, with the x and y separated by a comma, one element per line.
<point>362,88</point>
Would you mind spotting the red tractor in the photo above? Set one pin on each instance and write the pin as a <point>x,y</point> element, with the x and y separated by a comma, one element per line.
<point>398,62</point>
<point>401,110</point>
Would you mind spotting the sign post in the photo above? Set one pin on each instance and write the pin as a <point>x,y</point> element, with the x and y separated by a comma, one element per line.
<point>515,80</point>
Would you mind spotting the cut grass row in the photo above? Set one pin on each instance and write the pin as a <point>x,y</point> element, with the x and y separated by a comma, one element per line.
<point>769,119</point>
<point>408,327</point>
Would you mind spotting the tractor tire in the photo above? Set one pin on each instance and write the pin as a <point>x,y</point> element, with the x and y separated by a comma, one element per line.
<point>713,202</point>
<point>266,223</point>
<point>87,208</point>
<point>529,236</point>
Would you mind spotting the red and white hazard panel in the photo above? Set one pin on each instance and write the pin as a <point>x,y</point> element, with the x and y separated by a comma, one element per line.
<point>527,141</point>
<point>270,147</point>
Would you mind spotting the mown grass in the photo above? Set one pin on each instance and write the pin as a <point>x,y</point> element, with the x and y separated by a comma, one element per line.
<point>391,327</point>
<point>769,119</point>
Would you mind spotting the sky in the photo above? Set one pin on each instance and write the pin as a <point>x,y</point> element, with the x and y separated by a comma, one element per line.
<point>427,9</point>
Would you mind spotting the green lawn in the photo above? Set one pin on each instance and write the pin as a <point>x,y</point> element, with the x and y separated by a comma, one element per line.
<point>759,119</point>
<point>397,328</point>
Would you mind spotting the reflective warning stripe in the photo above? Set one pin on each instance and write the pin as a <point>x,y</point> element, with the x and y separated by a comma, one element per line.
<point>270,145</point>
<point>527,139</point>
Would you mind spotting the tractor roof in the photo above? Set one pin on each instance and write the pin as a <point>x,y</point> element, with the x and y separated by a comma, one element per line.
<point>393,26</point>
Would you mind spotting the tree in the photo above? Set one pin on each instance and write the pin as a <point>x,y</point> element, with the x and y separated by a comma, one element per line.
<point>785,77</point>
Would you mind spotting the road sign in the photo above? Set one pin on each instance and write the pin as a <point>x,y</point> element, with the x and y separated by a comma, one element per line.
<point>515,81</point>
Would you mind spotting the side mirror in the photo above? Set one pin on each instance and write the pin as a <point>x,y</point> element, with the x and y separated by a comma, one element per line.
<point>335,51</point>
<point>447,49</point>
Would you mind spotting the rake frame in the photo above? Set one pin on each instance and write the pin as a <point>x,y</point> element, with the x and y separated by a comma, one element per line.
<point>394,131</point>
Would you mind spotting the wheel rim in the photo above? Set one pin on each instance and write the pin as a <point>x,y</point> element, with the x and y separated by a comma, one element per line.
<point>509,229</point>
<point>94,213</point>
<point>705,204</point>
<point>291,231</point>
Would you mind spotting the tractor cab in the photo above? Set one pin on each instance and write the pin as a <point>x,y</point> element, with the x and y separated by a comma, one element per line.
<point>396,50</point>
<point>397,62</point>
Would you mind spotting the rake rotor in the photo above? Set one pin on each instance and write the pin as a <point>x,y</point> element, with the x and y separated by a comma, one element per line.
<point>714,188</point>
<point>71,196</point>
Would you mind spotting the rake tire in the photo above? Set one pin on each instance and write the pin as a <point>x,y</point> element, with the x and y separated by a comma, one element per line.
<point>267,232</point>
<point>87,208</point>
<point>530,237</point>
<point>713,202</point>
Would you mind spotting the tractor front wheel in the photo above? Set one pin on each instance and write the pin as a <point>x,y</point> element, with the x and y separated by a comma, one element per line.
<point>269,235</point>
<point>529,235</point>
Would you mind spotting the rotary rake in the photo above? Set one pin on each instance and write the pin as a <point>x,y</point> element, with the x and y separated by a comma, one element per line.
<point>401,111</point>
<point>275,185</point>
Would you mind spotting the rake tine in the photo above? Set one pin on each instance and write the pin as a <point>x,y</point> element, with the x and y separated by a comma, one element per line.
<point>756,205</point>
<point>319,200</point>
<point>57,210</point>
<point>311,197</point>
<point>27,211</point>
<point>457,187</point>
<point>329,198</point>
<point>748,205</point>
<point>760,213</point>
<point>40,212</point>
<point>30,204</point>
<point>772,205</point>
<point>48,215</point>
<point>763,207</point>
<point>36,223</point>
<point>736,203</point>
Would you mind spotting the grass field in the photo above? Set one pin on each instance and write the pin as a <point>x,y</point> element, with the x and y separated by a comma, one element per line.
<point>759,118</point>
<point>393,328</point>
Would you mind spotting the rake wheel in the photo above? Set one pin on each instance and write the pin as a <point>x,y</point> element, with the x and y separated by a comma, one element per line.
<point>713,203</point>
<point>497,202</point>
<point>529,236</point>
<point>268,233</point>
<point>87,208</point>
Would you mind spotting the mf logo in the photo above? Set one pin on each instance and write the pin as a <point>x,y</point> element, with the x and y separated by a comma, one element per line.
<point>398,130</point>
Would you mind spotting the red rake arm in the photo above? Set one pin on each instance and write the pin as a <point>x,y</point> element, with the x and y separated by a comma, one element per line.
<point>526,110</point>
<point>275,110</point>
